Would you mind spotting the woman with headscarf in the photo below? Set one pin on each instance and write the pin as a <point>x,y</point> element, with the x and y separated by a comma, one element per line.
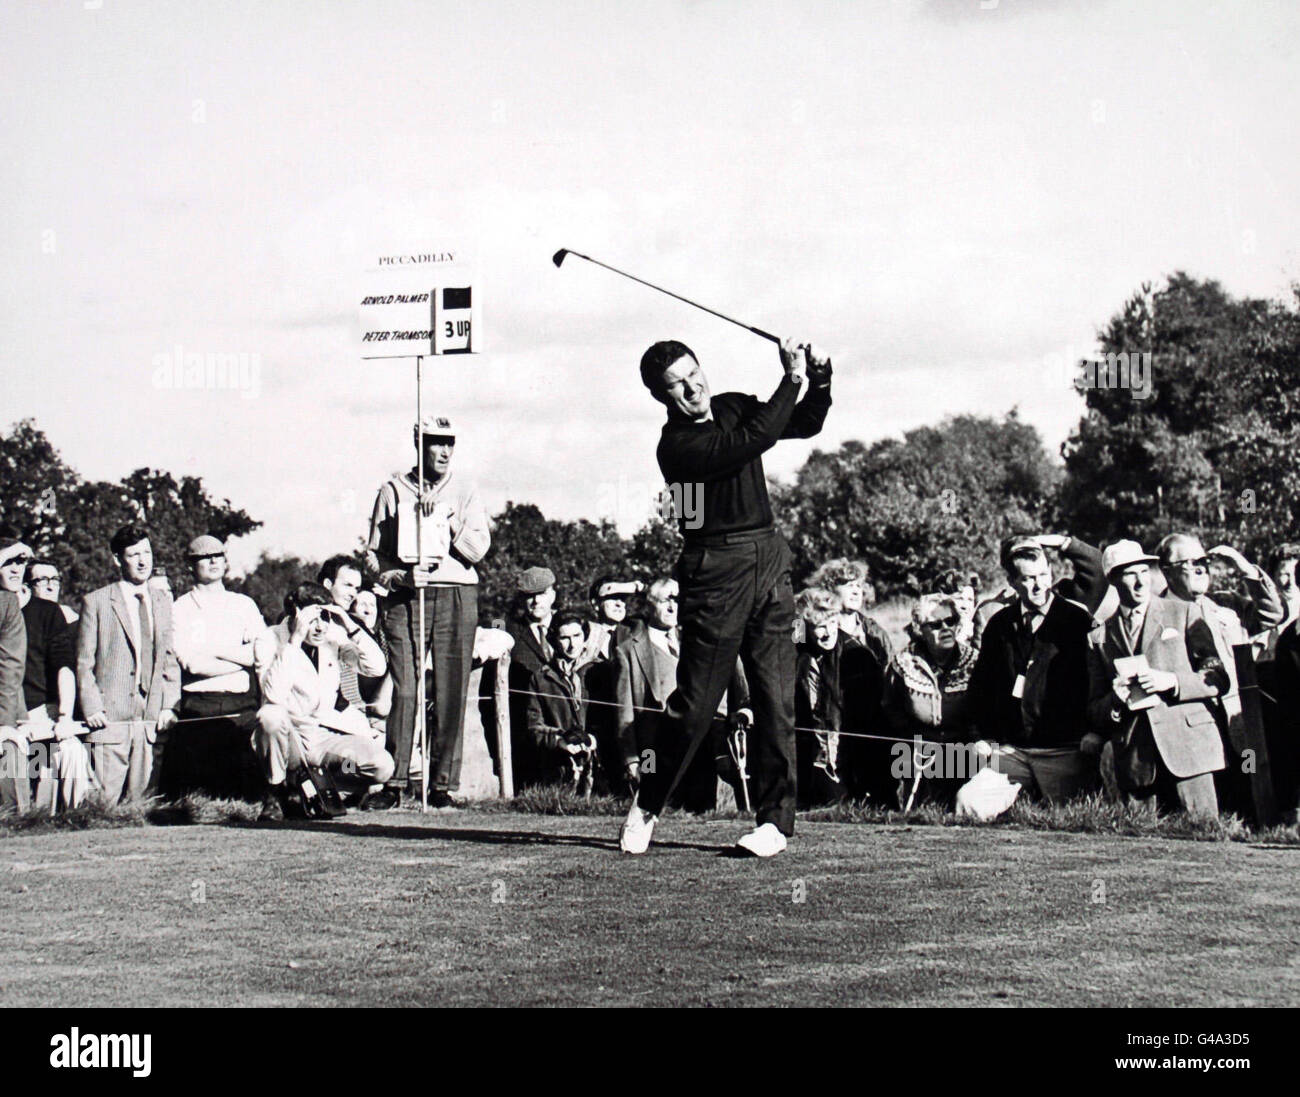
<point>925,685</point>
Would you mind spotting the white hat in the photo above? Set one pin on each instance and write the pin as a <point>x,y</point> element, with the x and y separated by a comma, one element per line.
<point>1122,554</point>
<point>437,425</point>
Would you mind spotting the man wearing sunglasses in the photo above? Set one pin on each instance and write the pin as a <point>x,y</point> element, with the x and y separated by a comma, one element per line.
<point>1233,618</point>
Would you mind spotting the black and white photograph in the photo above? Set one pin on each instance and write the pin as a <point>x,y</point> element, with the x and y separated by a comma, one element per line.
<point>675,505</point>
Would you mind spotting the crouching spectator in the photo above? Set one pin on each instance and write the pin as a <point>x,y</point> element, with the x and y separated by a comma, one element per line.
<point>298,667</point>
<point>56,756</point>
<point>830,682</point>
<point>926,696</point>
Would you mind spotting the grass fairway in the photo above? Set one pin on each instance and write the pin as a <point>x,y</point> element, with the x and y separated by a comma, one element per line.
<point>489,908</point>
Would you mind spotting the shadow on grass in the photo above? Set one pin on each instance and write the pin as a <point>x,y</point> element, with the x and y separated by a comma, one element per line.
<point>465,834</point>
<point>1084,815</point>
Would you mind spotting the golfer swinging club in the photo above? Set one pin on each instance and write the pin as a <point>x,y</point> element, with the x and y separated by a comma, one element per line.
<point>734,577</point>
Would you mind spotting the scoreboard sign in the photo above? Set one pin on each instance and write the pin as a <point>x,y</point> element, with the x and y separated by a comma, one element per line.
<point>418,303</point>
<point>453,320</point>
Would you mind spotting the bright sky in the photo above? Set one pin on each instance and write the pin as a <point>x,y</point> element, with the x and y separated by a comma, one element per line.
<point>950,197</point>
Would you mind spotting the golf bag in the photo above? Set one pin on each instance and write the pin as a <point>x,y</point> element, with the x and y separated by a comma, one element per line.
<point>315,787</point>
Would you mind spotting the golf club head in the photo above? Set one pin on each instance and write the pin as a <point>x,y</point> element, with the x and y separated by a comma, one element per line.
<point>558,257</point>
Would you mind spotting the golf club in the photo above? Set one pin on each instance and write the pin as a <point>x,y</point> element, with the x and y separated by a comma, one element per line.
<point>558,258</point>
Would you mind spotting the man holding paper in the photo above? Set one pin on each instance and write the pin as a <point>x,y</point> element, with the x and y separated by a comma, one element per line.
<point>1153,670</point>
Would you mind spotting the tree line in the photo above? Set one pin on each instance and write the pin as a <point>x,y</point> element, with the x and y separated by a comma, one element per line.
<point>1208,445</point>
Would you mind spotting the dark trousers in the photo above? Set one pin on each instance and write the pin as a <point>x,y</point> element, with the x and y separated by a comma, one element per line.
<point>736,598</point>
<point>451,616</point>
<point>212,749</point>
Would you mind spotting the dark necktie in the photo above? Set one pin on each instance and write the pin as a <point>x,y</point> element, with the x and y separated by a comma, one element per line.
<point>145,661</point>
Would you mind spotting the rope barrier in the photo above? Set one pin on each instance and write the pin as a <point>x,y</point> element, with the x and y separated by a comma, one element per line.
<point>810,731</point>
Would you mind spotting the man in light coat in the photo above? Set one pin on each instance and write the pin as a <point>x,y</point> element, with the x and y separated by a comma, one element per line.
<point>1158,716</point>
<point>297,666</point>
<point>1232,619</point>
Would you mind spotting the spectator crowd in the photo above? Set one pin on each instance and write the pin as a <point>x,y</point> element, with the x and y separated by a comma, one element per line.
<point>1165,679</point>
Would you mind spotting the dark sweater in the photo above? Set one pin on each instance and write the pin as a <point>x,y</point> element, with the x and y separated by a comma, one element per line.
<point>724,454</point>
<point>1053,709</point>
<point>51,645</point>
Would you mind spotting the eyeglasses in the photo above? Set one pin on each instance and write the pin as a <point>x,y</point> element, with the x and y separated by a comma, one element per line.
<point>209,556</point>
<point>1201,563</point>
<point>44,579</point>
<point>943,622</point>
<point>24,560</point>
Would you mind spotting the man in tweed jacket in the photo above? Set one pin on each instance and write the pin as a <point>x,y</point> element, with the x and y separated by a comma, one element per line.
<point>128,678</point>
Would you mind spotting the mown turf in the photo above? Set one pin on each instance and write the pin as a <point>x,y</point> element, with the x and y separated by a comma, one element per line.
<point>478,908</point>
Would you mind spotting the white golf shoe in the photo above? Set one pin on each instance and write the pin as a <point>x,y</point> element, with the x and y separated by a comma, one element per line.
<point>638,828</point>
<point>764,841</point>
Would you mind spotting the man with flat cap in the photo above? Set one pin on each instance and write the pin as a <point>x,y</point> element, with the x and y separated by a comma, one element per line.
<point>215,630</point>
<point>734,578</point>
<point>1153,673</point>
<point>455,537</point>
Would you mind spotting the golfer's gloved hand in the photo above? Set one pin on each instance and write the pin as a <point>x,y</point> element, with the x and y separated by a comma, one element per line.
<point>819,365</point>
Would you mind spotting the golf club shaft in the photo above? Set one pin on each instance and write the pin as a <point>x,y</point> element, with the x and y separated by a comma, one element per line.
<point>686,300</point>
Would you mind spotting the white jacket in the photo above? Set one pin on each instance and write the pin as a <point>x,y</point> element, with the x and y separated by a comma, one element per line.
<point>288,678</point>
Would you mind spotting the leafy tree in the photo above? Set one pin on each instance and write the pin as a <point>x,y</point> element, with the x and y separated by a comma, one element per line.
<point>35,485</point>
<point>1212,449</point>
<point>522,537</point>
<point>653,550</point>
<point>940,497</point>
<point>71,520</point>
<point>271,579</point>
